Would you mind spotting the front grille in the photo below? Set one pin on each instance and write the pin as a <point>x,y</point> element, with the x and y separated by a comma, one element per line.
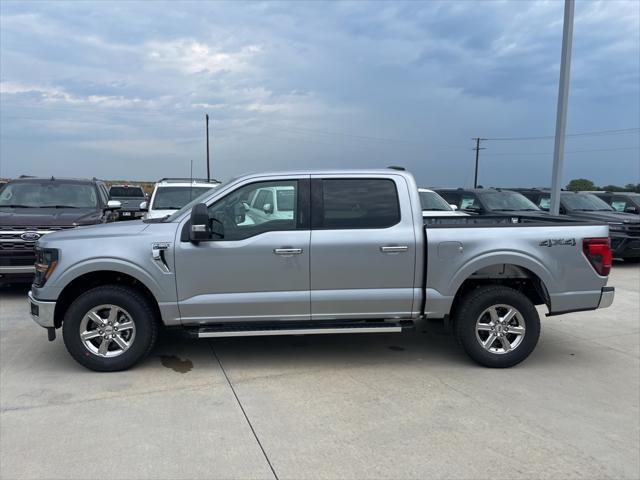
<point>17,245</point>
<point>634,230</point>
<point>20,261</point>
<point>11,236</point>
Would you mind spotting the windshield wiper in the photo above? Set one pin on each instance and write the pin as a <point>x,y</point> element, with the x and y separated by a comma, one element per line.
<point>15,205</point>
<point>58,206</point>
<point>505,209</point>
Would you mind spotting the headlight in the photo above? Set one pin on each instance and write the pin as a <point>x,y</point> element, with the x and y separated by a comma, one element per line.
<point>46,262</point>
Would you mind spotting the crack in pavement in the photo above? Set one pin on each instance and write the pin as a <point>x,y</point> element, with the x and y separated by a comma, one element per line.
<point>233,390</point>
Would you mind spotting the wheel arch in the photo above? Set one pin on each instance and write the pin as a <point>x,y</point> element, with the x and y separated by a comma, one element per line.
<point>532,282</point>
<point>87,281</point>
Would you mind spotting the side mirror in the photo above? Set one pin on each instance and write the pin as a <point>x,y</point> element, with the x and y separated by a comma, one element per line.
<point>631,210</point>
<point>144,206</point>
<point>267,208</point>
<point>113,205</point>
<point>476,210</point>
<point>453,206</point>
<point>200,229</point>
<point>239,212</point>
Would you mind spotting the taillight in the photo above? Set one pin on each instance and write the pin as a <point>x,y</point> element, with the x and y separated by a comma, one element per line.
<point>598,252</point>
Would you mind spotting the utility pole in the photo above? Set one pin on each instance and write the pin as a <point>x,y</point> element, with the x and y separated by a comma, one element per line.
<point>477,149</point>
<point>561,114</point>
<point>208,168</point>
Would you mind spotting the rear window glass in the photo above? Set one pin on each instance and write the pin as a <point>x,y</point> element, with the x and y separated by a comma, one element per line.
<point>359,203</point>
<point>126,192</point>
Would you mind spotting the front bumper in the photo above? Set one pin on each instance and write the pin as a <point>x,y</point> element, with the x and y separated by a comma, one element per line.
<point>625,247</point>
<point>606,297</point>
<point>41,311</point>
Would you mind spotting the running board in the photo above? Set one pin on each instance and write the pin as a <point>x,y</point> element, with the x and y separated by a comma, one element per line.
<point>262,330</point>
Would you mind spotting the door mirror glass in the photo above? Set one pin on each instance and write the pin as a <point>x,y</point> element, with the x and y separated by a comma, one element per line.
<point>144,206</point>
<point>200,227</point>
<point>113,205</point>
<point>267,208</point>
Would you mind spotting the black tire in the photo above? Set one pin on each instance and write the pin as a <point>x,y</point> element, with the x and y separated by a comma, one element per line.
<point>141,313</point>
<point>631,260</point>
<point>472,306</point>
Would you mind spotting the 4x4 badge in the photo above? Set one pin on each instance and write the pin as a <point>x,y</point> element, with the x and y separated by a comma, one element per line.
<point>552,242</point>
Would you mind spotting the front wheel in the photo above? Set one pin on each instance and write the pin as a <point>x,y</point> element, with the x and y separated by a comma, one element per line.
<point>497,326</point>
<point>109,328</point>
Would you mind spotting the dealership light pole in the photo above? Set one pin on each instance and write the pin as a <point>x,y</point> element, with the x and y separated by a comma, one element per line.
<point>208,168</point>
<point>561,114</point>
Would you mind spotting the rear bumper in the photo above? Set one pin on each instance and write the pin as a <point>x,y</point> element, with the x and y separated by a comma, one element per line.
<point>606,297</point>
<point>41,312</point>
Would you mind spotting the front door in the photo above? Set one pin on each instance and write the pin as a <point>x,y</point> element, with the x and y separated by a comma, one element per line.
<point>363,249</point>
<point>260,269</point>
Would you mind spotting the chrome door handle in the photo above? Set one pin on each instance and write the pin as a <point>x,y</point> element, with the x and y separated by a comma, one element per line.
<point>287,251</point>
<point>394,248</point>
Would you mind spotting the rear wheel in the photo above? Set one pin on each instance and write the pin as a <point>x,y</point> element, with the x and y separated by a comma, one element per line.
<point>497,326</point>
<point>109,328</point>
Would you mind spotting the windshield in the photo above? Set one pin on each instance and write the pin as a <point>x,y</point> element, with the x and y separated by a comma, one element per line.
<point>174,198</point>
<point>507,201</point>
<point>126,192</point>
<point>48,193</point>
<point>433,201</point>
<point>585,202</point>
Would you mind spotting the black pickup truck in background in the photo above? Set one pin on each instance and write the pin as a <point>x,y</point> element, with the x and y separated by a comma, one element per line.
<point>130,198</point>
<point>33,207</point>
<point>624,228</point>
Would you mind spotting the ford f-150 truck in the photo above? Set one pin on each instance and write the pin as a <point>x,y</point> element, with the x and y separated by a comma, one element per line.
<point>354,255</point>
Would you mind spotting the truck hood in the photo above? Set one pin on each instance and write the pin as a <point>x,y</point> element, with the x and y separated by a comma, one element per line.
<point>608,217</point>
<point>48,217</point>
<point>95,232</point>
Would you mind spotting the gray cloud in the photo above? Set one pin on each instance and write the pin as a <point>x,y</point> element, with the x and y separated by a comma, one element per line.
<point>120,89</point>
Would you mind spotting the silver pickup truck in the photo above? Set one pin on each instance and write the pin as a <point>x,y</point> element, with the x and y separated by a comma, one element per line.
<point>348,252</point>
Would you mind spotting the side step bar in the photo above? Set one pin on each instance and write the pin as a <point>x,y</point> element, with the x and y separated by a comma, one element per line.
<point>262,330</point>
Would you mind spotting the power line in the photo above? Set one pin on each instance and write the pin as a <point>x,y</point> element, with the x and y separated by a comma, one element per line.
<point>599,133</point>
<point>571,151</point>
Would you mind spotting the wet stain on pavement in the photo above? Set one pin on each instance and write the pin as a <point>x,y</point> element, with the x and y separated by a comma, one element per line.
<point>176,364</point>
<point>397,349</point>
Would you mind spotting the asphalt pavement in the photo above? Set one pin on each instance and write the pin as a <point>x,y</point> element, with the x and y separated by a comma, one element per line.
<point>369,406</point>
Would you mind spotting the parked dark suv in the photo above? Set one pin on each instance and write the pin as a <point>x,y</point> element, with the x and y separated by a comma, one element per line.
<point>490,201</point>
<point>624,228</point>
<point>32,207</point>
<point>627,202</point>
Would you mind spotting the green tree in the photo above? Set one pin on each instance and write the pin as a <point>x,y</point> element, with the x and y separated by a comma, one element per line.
<point>612,188</point>
<point>579,184</point>
<point>631,187</point>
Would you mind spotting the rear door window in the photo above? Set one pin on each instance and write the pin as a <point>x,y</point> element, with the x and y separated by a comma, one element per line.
<point>357,203</point>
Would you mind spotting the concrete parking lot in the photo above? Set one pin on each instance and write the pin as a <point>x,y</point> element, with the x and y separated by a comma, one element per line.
<point>354,406</point>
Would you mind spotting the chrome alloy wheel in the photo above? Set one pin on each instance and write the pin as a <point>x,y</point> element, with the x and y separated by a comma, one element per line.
<point>500,329</point>
<point>107,330</point>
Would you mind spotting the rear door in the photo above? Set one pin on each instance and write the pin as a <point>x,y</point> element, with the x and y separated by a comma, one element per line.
<point>363,248</point>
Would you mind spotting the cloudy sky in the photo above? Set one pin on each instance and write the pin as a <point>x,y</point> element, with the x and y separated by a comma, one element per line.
<point>119,89</point>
